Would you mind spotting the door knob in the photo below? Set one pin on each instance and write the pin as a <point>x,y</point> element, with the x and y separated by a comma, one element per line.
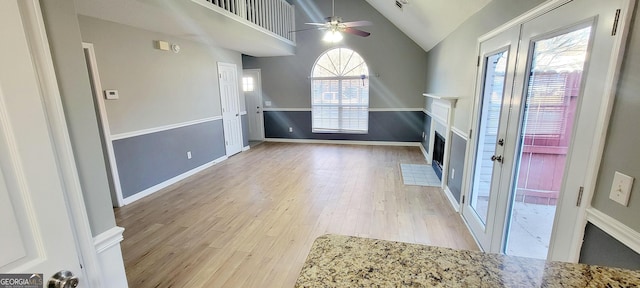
<point>63,279</point>
<point>501,142</point>
<point>497,158</point>
<point>237,114</point>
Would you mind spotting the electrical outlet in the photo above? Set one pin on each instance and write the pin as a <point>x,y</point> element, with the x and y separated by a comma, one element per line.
<point>621,188</point>
<point>453,173</point>
<point>188,154</point>
<point>423,136</point>
<point>290,129</point>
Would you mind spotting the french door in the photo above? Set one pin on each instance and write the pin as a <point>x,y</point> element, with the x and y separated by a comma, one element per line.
<point>539,90</point>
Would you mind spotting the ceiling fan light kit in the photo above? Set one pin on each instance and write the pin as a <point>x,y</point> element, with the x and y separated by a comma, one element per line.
<point>335,27</point>
<point>332,36</point>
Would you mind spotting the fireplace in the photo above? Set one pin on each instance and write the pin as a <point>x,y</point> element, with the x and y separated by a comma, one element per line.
<point>438,154</point>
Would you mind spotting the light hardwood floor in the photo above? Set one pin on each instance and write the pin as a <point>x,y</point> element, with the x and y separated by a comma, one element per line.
<point>250,220</point>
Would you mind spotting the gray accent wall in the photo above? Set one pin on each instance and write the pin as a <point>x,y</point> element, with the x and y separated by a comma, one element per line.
<point>63,32</point>
<point>451,65</point>
<point>426,129</point>
<point>397,65</point>
<point>600,248</point>
<point>245,130</point>
<point>400,126</point>
<point>150,159</point>
<point>456,162</point>
<point>156,87</point>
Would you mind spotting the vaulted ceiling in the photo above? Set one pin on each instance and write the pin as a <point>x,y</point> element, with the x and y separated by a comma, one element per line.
<point>427,22</point>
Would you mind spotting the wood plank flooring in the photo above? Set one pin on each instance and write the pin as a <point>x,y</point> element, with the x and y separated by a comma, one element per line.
<point>250,220</point>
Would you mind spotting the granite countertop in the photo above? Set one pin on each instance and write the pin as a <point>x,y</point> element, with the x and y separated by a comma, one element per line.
<point>344,261</point>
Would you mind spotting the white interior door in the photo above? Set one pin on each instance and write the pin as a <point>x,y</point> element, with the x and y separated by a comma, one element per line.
<point>230,100</point>
<point>252,87</point>
<point>562,59</point>
<point>36,234</point>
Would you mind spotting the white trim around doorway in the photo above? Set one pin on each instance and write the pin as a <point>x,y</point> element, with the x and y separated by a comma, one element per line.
<point>37,38</point>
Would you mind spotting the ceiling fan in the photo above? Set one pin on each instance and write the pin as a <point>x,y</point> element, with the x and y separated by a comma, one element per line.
<point>335,26</point>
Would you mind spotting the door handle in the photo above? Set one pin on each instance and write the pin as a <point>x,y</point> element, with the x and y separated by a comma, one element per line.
<point>237,114</point>
<point>497,158</point>
<point>63,279</point>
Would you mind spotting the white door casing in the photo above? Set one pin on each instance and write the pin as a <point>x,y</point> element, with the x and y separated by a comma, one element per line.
<point>255,115</point>
<point>230,101</point>
<point>601,15</point>
<point>592,115</point>
<point>103,121</point>
<point>44,221</point>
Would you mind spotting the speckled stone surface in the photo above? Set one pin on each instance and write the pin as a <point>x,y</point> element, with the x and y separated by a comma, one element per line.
<point>344,261</point>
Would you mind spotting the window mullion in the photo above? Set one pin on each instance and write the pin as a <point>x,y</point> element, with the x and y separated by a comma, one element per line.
<point>340,105</point>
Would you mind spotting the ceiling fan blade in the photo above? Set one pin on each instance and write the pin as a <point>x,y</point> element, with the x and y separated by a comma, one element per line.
<point>357,23</point>
<point>314,28</point>
<point>316,24</point>
<point>358,32</point>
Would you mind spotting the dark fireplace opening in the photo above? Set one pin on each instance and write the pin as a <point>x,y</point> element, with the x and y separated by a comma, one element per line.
<point>438,154</point>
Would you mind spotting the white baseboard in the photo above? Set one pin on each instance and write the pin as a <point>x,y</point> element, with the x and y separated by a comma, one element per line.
<point>345,142</point>
<point>245,148</point>
<point>452,200</point>
<point>107,246</point>
<point>621,232</point>
<point>158,187</point>
<point>426,154</point>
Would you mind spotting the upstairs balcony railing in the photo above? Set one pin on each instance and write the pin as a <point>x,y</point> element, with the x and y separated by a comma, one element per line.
<point>277,16</point>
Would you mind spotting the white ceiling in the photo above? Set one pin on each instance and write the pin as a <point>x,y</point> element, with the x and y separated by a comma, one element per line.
<point>427,22</point>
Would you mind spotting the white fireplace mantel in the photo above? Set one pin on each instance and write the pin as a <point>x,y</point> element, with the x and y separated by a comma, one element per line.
<point>452,100</point>
<point>441,110</point>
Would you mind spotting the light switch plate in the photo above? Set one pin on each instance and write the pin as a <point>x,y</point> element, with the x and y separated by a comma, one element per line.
<point>621,188</point>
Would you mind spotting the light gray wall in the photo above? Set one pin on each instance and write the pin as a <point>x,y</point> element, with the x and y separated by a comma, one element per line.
<point>156,87</point>
<point>451,68</point>
<point>399,63</point>
<point>621,149</point>
<point>73,80</point>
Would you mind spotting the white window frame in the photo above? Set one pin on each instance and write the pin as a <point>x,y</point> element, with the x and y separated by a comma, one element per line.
<point>340,105</point>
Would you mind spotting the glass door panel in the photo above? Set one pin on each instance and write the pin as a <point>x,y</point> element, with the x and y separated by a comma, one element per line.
<point>552,94</point>
<point>490,108</point>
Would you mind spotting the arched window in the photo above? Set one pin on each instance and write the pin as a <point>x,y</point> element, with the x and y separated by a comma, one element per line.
<point>340,93</point>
